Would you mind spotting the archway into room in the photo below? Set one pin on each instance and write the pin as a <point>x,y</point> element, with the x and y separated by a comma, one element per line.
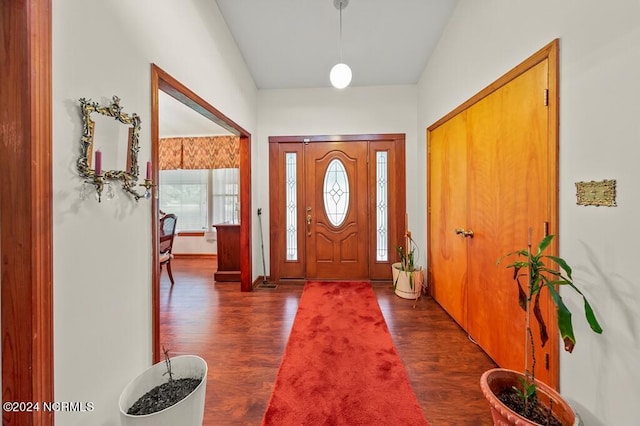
<point>162,81</point>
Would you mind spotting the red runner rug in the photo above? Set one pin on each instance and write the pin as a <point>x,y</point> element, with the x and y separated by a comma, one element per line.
<point>340,366</point>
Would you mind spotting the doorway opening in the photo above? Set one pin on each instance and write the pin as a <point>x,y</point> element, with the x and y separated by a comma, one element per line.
<point>162,81</point>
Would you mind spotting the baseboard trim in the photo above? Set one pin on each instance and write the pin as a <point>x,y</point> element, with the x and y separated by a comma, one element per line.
<point>195,256</point>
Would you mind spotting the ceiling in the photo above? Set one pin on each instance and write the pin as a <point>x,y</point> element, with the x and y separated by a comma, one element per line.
<point>294,43</point>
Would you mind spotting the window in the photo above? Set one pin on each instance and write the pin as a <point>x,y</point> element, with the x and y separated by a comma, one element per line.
<point>291,202</point>
<point>184,193</point>
<point>336,192</point>
<point>226,203</point>
<point>200,198</point>
<point>382,208</point>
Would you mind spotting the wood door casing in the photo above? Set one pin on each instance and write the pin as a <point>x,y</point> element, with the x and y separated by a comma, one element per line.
<point>295,268</point>
<point>336,250</point>
<point>26,205</point>
<point>511,173</point>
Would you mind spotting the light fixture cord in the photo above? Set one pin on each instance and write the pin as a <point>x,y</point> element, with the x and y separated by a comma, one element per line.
<point>340,32</point>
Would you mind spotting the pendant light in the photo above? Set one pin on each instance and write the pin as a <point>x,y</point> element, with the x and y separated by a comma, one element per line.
<point>340,74</point>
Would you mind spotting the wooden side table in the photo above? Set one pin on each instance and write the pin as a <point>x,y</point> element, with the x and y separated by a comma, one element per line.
<point>228,253</point>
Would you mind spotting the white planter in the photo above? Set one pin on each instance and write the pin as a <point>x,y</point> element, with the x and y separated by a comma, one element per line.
<point>188,412</point>
<point>403,283</point>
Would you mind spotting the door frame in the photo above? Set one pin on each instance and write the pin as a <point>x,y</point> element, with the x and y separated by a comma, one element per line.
<point>276,198</point>
<point>26,208</point>
<point>161,80</point>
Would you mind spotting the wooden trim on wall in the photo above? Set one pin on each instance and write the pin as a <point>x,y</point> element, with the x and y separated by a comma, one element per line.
<point>211,256</point>
<point>155,217</point>
<point>245,213</point>
<point>190,234</point>
<point>552,53</point>
<point>26,207</point>
<point>337,138</point>
<point>161,80</point>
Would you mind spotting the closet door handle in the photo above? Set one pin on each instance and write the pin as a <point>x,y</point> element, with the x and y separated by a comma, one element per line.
<point>465,233</point>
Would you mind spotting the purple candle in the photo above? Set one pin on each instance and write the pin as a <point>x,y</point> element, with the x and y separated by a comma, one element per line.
<point>98,165</point>
<point>148,170</point>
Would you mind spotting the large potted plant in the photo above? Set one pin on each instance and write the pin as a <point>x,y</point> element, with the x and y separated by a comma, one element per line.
<point>408,278</point>
<point>518,397</point>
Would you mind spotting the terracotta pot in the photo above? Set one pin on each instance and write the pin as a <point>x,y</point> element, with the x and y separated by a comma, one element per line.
<point>493,381</point>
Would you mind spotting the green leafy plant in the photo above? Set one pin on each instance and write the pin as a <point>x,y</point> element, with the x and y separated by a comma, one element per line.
<point>527,394</point>
<point>407,258</point>
<point>167,362</point>
<point>537,276</point>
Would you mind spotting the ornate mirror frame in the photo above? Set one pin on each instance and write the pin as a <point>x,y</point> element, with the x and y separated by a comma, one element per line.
<point>128,177</point>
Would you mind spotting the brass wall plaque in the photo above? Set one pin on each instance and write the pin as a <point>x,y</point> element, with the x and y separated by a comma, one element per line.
<point>602,193</point>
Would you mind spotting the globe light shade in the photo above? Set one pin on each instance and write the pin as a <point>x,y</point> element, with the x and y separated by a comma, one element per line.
<point>340,76</point>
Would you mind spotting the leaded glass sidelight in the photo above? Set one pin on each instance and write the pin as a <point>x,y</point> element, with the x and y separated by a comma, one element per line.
<point>382,207</point>
<point>291,206</point>
<point>336,192</point>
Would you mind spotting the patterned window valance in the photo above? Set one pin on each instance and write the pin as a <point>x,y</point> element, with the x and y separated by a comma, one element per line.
<point>170,154</point>
<point>210,152</point>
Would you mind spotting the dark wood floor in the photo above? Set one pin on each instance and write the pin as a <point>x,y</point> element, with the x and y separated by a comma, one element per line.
<point>243,335</point>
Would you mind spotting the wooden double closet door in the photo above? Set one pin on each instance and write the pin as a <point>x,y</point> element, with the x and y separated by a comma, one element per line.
<point>492,174</point>
<point>337,206</point>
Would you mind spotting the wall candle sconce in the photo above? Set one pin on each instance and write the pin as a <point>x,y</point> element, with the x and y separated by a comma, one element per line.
<point>121,151</point>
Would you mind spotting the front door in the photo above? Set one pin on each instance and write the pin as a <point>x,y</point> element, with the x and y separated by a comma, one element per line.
<point>336,210</point>
<point>336,206</point>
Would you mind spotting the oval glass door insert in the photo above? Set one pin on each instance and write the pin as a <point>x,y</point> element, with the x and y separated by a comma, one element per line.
<point>336,192</point>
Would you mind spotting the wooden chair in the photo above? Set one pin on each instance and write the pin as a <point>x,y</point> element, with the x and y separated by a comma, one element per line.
<point>167,232</point>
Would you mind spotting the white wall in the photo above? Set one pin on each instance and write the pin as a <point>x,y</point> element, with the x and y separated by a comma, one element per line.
<point>207,244</point>
<point>599,139</point>
<point>102,252</point>
<point>354,110</point>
